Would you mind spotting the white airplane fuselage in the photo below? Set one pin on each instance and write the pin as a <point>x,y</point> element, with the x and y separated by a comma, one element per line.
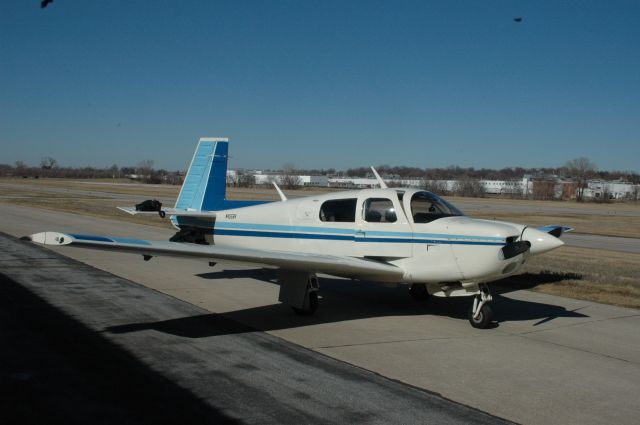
<point>447,249</point>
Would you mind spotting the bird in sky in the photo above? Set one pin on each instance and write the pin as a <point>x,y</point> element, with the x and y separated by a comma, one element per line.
<point>518,19</point>
<point>45,3</point>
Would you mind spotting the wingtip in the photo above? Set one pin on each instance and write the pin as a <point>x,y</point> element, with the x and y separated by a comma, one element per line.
<point>49,238</point>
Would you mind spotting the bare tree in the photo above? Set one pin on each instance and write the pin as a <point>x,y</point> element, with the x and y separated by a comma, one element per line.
<point>21,168</point>
<point>115,171</point>
<point>581,169</point>
<point>544,189</point>
<point>145,166</point>
<point>246,179</point>
<point>144,169</point>
<point>290,179</point>
<point>438,187</point>
<point>48,163</point>
<point>469,187</point>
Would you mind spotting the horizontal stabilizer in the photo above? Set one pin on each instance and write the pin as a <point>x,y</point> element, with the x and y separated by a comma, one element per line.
<point>315,263</point>
<point>555,230</point>
<point>169,211</point>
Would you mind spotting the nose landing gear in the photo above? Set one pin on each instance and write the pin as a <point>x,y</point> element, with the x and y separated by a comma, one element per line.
<point>480,313</point>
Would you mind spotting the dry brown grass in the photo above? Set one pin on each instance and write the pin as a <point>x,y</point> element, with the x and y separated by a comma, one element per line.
<point>604,208</point>
<point>592,224</point>
<point>104,208</point>
<point>607,277</point>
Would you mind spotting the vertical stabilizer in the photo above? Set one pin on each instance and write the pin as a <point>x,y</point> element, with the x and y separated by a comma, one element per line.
<point>205,184</point>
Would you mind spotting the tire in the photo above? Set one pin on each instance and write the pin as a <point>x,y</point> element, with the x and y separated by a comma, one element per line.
<point>162,214</point>
<point>418,291</point>
<point>313,305</point>
<point>484,318</point>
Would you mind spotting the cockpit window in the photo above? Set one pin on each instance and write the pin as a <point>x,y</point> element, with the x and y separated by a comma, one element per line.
<point>379,210</point>
<point>343,210</point>
<point>426,207</point>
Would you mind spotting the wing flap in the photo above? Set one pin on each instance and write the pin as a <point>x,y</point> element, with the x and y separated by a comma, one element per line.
<point>330,264</point>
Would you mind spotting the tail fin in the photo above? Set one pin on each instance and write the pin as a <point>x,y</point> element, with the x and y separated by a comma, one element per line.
<point>204,186</point>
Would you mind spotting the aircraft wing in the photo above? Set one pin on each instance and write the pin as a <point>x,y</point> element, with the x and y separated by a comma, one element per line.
<point>169,211</point>
<point>317,263</point>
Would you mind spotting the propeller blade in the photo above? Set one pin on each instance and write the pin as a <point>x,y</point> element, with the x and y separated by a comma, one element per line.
<point>513,249</point>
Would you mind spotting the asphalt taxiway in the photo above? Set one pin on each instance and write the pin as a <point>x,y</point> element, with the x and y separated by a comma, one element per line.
<point>549,360</point>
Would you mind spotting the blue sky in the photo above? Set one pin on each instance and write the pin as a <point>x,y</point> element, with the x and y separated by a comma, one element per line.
<point>322,83</point>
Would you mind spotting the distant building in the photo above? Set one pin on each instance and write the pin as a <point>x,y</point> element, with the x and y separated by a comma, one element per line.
<point>505,187</point>
<point>547,186</point>
<point>302,180</point>
<point>611,190</point>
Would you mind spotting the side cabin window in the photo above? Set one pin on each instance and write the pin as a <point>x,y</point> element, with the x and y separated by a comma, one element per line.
<point>379,210</point>
<point>426,207</point>
<point>341,210</point>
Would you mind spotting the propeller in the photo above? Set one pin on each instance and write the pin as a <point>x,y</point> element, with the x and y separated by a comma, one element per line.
<point>513,249</point>
<point>540,240</point>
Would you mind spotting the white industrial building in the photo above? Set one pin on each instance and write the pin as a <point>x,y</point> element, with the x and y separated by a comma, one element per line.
<point>611,190</point>
<point>300,180</point>
<point>521,186</point>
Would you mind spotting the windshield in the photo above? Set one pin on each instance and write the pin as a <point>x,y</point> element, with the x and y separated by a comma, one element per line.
<point>426,207</point>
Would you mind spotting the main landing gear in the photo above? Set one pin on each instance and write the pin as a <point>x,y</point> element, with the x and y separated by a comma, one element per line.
<point>299,290</point>
<point>480,313</point>
<point>311,305</point>
<point>418,291</point>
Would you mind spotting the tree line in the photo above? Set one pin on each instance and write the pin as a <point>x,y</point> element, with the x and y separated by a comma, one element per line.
<point>49,168</point>
<point>579,169</point>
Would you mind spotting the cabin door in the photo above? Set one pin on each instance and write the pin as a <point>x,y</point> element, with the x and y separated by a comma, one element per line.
<point>382,229</point>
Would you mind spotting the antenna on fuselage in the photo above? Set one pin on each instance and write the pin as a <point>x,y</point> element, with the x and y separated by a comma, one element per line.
<point>383,185</point>
<point>282,195</point>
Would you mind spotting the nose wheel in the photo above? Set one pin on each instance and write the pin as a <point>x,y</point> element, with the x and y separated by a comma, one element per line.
<point>480,313</point>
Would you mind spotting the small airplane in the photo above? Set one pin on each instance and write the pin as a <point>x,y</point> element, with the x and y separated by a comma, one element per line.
<point>390,235</point>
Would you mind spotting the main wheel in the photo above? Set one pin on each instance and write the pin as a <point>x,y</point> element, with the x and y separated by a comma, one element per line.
<point>313,305</point>
<point>419,291</point>
<point>484,317</point>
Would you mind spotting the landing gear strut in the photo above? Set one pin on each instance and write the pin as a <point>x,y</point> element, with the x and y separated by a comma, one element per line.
<point>480,314</point>
<point>311,305</point>
<point>419,291</point>
<point>299,290</point>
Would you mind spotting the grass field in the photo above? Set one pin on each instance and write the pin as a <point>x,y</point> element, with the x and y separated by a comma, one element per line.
<point>602,276</point>
<point>607,277</point>
<point>628,227</point>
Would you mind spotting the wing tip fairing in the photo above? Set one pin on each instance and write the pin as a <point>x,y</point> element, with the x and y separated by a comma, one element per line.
<point>49,238</point>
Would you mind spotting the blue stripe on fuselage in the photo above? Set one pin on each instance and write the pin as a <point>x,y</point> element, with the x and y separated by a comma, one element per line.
<point>352,238</point>
<point>311,232</point>
<point>281,228</point>
<point>289,235</point>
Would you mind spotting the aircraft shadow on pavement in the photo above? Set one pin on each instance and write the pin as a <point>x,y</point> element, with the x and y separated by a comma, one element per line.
<point>56,370</point>
<point>343,300</point>
<point>263,274</point>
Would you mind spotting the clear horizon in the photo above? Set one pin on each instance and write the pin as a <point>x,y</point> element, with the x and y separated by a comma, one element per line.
<point>322,84</point>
